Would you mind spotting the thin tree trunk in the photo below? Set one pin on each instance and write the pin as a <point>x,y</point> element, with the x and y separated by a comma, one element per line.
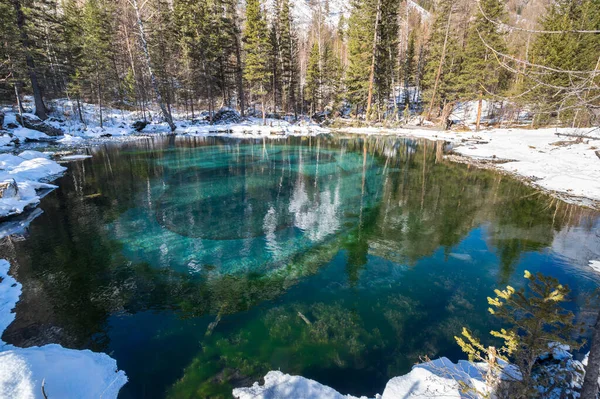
<point>239,69</point>
<point>439,71</point>
<point>40,108</point>
<point>79,109</point>
<point>589,389</point>
<point>19,103</point>
<point>479,106</point>
<point>159,98</point>
<point>374,51</point>
<point>98,88</point>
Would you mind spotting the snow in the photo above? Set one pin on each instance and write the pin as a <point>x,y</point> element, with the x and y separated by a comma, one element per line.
<point>76,157</point>
<point>595,264</point>
<point>66,373</point>
<point>28,170</point>
<point>283,386</point>
<point>253,128</point>
<point>23,133</point>
<point>437,378</point>
<point>425,15</point>
<point>5,140</point>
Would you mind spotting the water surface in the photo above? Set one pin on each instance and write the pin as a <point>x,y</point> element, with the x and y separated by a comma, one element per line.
<point>190,260</point>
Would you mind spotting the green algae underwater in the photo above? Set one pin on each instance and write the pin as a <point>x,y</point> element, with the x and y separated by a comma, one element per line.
<point>200,264</point>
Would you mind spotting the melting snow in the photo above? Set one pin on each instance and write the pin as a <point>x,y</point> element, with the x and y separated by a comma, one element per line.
<point>66,373</point>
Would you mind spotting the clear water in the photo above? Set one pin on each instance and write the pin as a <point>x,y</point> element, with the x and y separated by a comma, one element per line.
<point>189,260</point>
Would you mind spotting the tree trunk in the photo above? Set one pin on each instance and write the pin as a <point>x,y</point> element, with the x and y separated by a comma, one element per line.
<point>439,71</point>
<point>40,108</point>
<point>479,106</point>
<point>159,98</point>
<point>79,109</point>
<point>373,54</point>
<point>19,104</point>
<point>239,70</point>
<point>592,370</point>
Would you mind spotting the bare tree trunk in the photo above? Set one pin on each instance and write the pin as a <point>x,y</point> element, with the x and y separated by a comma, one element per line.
<point>238,67</point>
<point>479,106</point>
<point>19,104</point>
<point>159,98</point>
<point>40,108</point>
<point>589,389</point>
<point>439,71</point>
<point>374,51</point>
<point>98,88</point>
<point>79,109</point>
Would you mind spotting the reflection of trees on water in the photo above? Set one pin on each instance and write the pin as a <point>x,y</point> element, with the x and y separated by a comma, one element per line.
<point>75,273</point>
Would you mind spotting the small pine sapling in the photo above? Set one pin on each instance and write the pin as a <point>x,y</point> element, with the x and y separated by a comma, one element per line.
<point>537,318</point>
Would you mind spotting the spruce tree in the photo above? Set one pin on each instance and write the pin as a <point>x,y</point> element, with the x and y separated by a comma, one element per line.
<point>481,75</point>
<point>288,49</point>
<point>313,79</point>
<point>257,50</point>
<point>360,27</point>
<point>96,64</point>
<point>559,93</point>
<point>436,81</point>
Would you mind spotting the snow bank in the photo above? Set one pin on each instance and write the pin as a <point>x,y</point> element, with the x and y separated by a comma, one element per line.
<point>65,373</point>
<point>253,128</point>
<point>75,157</point>
<point>437,378</point>
<point>27,171</point>
<point>595,264</point>
<point>283,386</point>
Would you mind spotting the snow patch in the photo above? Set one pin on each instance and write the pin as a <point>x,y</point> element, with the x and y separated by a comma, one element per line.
<point>66,373</point>
<point>595,264</point>
<point>282,386</point>
<point>28,170</point>
<point>74,157</point>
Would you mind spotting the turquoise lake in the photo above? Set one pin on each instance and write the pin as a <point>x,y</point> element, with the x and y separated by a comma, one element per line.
<point>200,264</point>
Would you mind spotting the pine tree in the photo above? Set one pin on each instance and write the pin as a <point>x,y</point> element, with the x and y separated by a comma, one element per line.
<point>288,48</point>
<point>559,91</point>
<point>436,81</point>
<point>95,70</point>
<point>387,52</point>
<point>360,26</point>
<point>27,51</point>
<point>481,74</point>
<point>536,317</point>
<point>257,49</point>
<point>313,78</point>
<point>408,69</point>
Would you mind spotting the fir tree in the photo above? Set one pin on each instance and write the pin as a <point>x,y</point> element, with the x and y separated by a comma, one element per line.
<point>288,48</point>
<point>360,27</point>
<point>560,92</point>
<point>481,75</point>
<point>313,78</point>
<point>96,65</point>
<point>536,318</point>
<point>257,49</point>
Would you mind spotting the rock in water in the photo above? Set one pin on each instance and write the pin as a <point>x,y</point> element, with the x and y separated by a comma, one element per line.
<point>227,115</point>
<point>138,126</point>
<point>33,122</point>
<point>1,119</point>
<point>9,189</point>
